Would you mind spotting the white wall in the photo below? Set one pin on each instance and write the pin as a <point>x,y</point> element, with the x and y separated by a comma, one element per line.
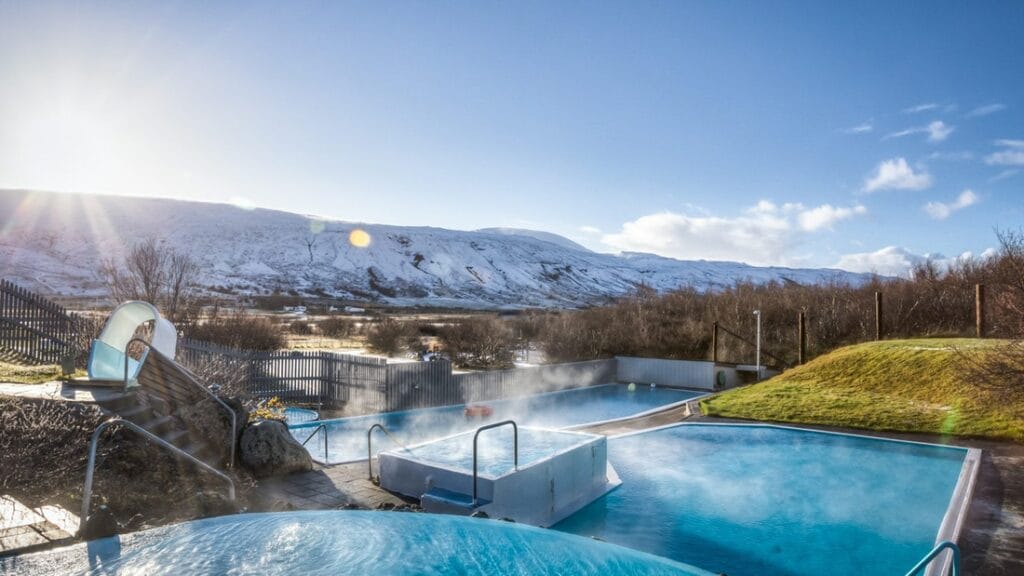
<point>697,374</point>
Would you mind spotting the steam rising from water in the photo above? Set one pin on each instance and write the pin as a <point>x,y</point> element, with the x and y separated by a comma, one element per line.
<point>347,437</point>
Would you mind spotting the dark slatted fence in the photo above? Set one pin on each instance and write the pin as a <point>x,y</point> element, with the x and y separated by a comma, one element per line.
<point>322,378</point>
<point>365,385</point>
<point>33,329</point>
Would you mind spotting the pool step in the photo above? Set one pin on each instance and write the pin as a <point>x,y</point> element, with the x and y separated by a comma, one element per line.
<point>441,501</point>
<point>24,529</point>
<point>153,414</point>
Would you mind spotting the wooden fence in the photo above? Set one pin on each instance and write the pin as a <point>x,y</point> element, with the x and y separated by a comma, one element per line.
<point>365,385</point>
<point>35,330</point>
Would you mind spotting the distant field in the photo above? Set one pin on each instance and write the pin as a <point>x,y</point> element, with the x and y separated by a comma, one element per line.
<point>920,385</point>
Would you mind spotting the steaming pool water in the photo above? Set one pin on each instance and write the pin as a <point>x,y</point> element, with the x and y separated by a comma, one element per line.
<point>299,415</point>
<point>345,542</point>
<point>753,500</point>
<point>346,437</point>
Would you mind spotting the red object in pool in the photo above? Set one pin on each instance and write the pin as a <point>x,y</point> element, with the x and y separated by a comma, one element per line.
<point>478,411</point>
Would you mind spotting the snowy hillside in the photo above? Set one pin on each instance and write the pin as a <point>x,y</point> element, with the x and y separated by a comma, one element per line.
<point>56,242</point>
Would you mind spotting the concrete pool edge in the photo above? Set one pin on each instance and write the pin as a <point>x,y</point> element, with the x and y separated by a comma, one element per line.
<point>959,503</point>
<point>648,412</point>
<point>956,514</point>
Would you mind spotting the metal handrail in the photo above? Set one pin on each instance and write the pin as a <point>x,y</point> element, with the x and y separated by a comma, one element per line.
<point>515,448</point>
<point>935,552</point>
<point>91,465</point>
<point>310,437</point>
<point>369,448</point>
<point>230,411</point>
<point>128,358</point>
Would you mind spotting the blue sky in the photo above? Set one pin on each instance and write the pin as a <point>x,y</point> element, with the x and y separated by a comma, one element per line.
<point>793,133</point>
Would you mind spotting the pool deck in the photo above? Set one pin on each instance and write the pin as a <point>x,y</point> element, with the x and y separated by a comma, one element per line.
<point>325,488</point>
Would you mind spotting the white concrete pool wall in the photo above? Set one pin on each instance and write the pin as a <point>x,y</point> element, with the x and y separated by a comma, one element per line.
<point>692,374</point>
<point>959,503</point>
<point>539,493</point>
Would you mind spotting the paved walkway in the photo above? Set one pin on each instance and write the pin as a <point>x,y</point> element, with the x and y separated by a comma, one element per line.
<point>23,528</point>
<point>60,391</point>
<point>326,487</point>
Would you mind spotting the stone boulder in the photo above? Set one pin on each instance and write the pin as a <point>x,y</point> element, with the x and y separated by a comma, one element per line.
<point>268,449</point>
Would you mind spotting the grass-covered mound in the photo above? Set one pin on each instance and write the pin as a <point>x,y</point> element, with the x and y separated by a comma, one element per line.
<point>928,385</point>
<point>20,374</point>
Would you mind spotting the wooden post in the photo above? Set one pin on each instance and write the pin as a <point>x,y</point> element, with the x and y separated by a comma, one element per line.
<point>802,339</point>
<point>714,342</point>
<point>979,309</point>
<point>878,315</point>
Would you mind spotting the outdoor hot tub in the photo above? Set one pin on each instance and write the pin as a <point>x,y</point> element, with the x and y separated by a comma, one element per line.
<point>558,473</point>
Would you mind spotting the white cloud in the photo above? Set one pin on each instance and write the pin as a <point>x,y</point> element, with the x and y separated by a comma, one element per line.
<point>897,261</point>
<point>942,210</point>
<point>763,234</point>
<point>921,108</point>
<point>590,230</point>
<point>864,128</point>
<point>937,131</point>
<point>1012,154</point>
<point>896,174</point>
<point>952,156</point>
<point>826,215</point>
<point>986,110</point>
<point>1004,175</point>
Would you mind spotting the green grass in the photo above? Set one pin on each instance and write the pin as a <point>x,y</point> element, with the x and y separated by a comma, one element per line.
<point>898,385</point>
<point>30,374</point>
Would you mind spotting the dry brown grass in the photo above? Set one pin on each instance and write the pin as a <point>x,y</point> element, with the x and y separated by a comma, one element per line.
<point>43,453</point>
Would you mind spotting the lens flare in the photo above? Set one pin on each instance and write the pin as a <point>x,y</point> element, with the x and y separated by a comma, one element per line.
<point>359,238</point>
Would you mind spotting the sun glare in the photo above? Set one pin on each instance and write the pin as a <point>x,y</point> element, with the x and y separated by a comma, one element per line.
<point>359,238</point>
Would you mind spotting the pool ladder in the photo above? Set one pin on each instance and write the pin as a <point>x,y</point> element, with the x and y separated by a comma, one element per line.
<point>310,437</point>
<point>954,566</point>
<point>515,449</point>
<point>369,446</point>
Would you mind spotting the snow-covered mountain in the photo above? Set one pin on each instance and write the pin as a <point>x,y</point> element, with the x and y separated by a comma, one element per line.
<point>57,242</point>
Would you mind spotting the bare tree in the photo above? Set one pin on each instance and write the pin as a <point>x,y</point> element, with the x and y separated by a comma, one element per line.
<point>151,272</point>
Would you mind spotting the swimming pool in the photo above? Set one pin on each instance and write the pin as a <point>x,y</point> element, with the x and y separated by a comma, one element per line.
<point>294,415</point>
<point>753,499</point>
<point>346,437</point>
<point>345,542</point>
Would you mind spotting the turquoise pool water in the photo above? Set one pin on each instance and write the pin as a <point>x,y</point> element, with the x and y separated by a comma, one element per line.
<point>346,542</point>
<point>755,500</point>
<point>346,437</point>
<point>495,449</point>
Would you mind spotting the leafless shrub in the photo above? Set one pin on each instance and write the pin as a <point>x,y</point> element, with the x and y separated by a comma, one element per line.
<point>479,343</point>
<point>301,328</point>
<point>230,373</point>
<point>389,336</point>
<point>43,446</point>
<point>242,331</point>
<point>336,327</point>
